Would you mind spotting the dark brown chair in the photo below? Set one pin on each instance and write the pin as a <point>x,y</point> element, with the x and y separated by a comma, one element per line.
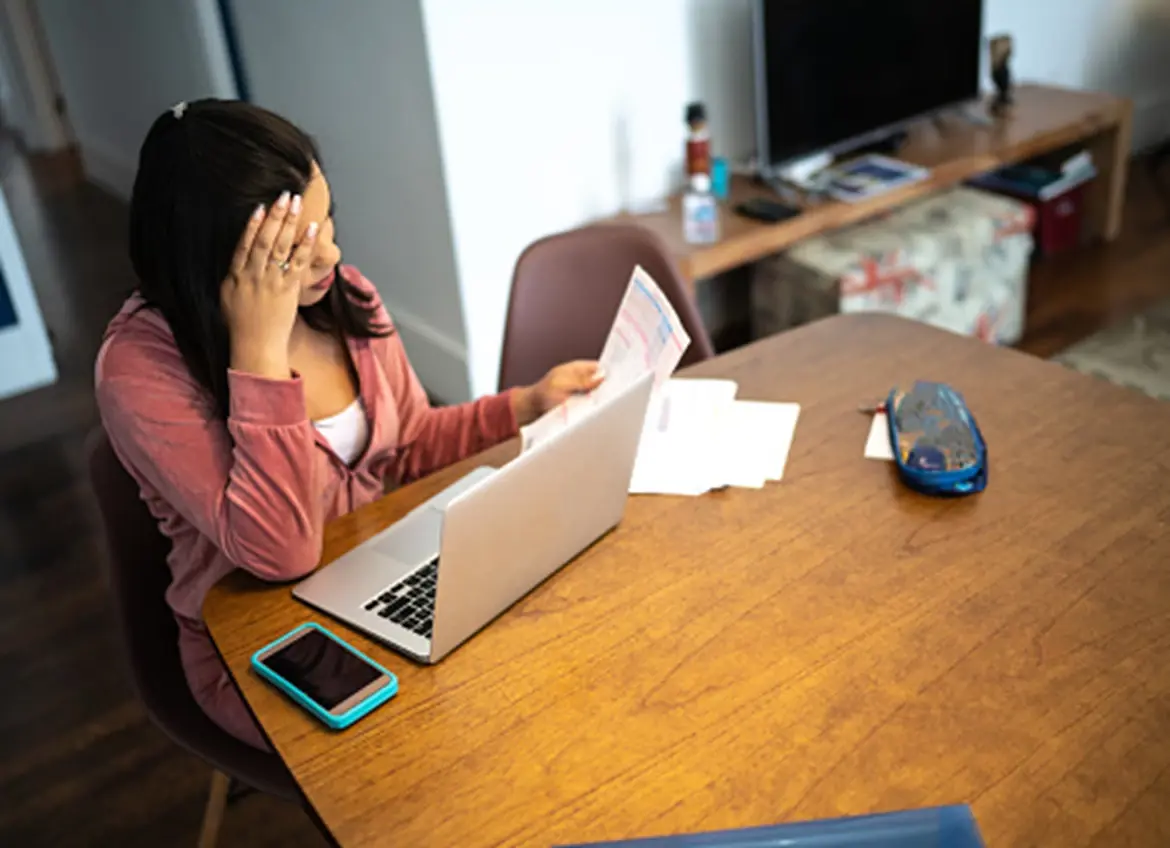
<point>138,577</point>
<point>565,293</point>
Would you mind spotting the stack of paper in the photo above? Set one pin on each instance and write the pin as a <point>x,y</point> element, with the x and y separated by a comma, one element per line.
<point>680,443</point>
<point>698,437</point>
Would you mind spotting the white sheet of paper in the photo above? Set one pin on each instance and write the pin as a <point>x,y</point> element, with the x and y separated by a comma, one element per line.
<point>757,437</point>
<point>646,335</point>
<point>679,453</point>
<point>698,438</point>
<point>877,446</point>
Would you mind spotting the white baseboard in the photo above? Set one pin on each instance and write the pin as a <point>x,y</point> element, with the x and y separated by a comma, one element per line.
<point>106,168</point>
<point>439,360</point>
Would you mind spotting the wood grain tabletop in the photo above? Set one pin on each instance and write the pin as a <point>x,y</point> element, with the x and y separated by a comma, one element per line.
<point>831,645</point>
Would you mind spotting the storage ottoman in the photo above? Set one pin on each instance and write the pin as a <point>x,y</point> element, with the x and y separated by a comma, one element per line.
<point>957,260</point>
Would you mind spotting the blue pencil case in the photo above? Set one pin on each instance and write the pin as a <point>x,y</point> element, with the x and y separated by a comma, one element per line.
<point>936,443</point>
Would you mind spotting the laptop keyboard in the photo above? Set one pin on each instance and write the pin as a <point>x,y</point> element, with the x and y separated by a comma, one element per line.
<point>411,601</point>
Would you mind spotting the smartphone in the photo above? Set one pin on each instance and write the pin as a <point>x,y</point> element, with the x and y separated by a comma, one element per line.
<point>763,209</point>
<point>332,680</point>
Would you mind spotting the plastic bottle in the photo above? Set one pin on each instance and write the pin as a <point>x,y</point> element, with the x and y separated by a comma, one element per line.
<point>700,212</point>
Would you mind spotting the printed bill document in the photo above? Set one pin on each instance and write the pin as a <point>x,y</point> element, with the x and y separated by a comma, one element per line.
<point>646,335</point>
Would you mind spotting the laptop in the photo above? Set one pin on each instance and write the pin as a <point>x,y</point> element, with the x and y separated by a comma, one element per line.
<point>432,580</point>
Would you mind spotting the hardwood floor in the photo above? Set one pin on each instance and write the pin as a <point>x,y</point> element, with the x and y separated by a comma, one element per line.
<point>1070,297</point>
<point>80,763</point>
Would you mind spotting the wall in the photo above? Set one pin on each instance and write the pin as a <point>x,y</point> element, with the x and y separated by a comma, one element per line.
<point>551,114</point>
<point>720,72</point>
<point>30,89</point>
<point>458,131</point>
<point>356,76</point>
<point>1121,46</point>
<point>14,98</point>
<point>122,62</point>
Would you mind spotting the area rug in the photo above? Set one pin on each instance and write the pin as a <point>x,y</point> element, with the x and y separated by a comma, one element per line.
<point>1134,354</point>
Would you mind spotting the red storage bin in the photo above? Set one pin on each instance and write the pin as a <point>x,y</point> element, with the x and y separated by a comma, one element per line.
<point>1059,220</point>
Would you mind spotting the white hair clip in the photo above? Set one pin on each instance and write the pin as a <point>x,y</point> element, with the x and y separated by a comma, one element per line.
<point>179,108</point>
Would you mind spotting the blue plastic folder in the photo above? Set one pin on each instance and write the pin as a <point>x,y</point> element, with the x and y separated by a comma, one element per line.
<point>933,827</point>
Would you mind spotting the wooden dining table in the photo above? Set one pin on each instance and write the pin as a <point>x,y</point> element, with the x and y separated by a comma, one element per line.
<point>833,644</point>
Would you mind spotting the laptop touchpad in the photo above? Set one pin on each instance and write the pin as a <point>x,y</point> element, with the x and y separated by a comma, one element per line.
<point>414,540</point>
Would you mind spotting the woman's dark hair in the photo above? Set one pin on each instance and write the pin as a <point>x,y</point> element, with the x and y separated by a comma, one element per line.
<point>202,171</point>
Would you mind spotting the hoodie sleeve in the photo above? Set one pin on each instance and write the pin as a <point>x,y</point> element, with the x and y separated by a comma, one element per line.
<point>435,437</point>
<point>432,438</point>
<point>247,485</point>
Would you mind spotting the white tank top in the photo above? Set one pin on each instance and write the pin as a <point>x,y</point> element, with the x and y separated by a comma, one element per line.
<point>346,432</point>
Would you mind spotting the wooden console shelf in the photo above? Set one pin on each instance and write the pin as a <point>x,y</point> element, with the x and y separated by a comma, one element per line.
<point>1043,119</point>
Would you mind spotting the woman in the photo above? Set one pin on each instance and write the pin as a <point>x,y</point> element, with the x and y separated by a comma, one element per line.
<point>255,387</point>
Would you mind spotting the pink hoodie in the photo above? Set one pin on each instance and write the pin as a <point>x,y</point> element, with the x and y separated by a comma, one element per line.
<point>254,492</point>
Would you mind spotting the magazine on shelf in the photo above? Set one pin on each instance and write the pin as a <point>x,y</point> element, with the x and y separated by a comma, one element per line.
<point>868,176</point>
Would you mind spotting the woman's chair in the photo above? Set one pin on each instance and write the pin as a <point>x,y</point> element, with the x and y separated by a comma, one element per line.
<point>138,577</point>
<point>566,290</point>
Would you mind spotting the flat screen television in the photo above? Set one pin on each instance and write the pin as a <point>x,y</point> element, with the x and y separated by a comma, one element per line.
<point>832,75</point>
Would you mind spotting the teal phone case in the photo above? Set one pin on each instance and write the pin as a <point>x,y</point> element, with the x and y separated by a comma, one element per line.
<point>335,722</point>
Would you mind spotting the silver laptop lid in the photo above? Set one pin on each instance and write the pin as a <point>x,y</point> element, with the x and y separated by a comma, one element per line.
<point>506,535</point>
<point>353,586</point>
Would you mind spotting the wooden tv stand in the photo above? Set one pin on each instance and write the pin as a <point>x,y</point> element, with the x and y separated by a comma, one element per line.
<point>955,149</point>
